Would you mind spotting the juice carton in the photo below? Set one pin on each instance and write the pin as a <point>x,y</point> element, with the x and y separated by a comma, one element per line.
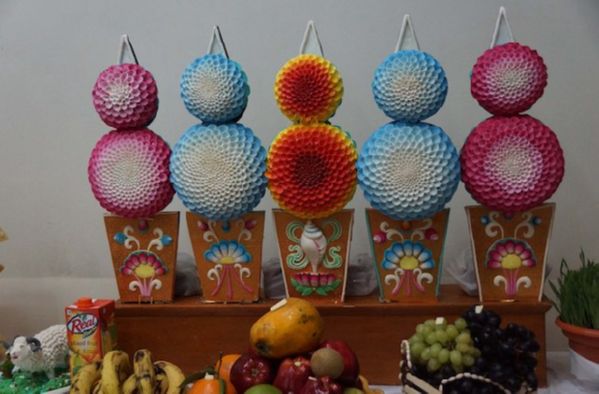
<point>91,332</point>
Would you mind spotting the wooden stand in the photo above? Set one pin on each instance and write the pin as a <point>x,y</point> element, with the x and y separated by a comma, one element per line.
<point>191,333</point>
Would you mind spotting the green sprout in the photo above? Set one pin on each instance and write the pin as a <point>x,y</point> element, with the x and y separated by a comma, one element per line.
<point>577,294</point>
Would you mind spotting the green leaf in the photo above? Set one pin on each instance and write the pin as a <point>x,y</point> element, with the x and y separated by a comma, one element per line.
<point>322,291</point>
<point>222,386</point>
<point>335,284</point>
<point>306,291</point>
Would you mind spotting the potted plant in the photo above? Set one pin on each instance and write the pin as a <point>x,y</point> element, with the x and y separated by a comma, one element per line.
<point>577,302</point>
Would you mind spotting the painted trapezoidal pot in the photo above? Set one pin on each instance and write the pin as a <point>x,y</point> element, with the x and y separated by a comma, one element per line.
<point>510,252</point>
<point>315,254</point>
<point>408,255</point>
<point>144,256</point>
<point>228,256</point>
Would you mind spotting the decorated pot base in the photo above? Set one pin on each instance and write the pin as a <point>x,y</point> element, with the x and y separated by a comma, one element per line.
<point>408,255</point>
<point>510,252</point>
<point>228,256</point>
<point>144,255</point>
<point>314,254</point>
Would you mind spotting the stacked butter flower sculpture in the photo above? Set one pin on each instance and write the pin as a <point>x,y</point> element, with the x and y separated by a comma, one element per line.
<point>217,169</point>
<point>312,176</point>
<point>129,175</point>
<point>408,171</point>
<point>511,164</point>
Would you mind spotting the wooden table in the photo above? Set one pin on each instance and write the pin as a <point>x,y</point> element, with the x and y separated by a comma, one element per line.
<point>191,333</point>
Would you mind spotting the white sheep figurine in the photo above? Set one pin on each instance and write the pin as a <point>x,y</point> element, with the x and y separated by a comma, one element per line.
<point>41,353</point>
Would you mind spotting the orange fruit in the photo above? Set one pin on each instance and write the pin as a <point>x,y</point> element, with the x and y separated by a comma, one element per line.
<point>207,385</point>
<point>223,368</point>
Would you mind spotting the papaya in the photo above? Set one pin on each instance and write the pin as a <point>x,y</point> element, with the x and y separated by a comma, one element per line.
<point>292,326</point>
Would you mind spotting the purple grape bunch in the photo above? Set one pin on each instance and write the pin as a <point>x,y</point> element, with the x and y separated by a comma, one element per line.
<point>508,355</point>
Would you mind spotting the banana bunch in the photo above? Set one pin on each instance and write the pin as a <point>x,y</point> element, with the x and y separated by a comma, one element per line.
<point>114,375</point>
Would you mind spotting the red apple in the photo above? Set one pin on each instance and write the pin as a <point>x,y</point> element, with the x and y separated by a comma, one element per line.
<point>292,375</point>
<point>250,370</point>
<point>351,368</point>
<point>324,385</point>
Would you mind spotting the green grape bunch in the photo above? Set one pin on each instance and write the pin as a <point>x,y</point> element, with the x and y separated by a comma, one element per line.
<point>437,344</point>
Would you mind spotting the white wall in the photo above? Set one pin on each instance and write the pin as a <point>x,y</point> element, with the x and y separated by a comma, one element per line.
<point>52,51</point>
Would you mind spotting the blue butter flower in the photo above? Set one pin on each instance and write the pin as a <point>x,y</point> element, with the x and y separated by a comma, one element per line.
<point>409,86</point>
<point>218,170</point>
<point>227,252</point>
<point>408,171</point>
<point>215,89</point>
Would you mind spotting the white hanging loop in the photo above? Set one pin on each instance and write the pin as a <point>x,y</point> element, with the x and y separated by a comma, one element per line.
<point>217,45</point>
<point>311,42</point>
<point>407,36</point>
<point>126,50</point>
<point>503,31</point>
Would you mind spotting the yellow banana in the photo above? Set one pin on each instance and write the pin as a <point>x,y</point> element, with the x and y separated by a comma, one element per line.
<point>85,378</point>
<point>174,374</point>
<point>144,371</point>
<point>366,388</point>
<point>129,385</point>
<point>115,370</point>
<point>97,388</point>
<point>161,383</point>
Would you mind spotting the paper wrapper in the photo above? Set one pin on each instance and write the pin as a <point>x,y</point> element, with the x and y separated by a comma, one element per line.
<point>215,89</point>
<point>311,169</point>
<point>512,164</point>
<point>508,79</point>
<point>308,88</point>
<point>410,86</point>
<point>128,172</point>
<point>218,170</point>
<point>408,171</point>
<point>125,96</point>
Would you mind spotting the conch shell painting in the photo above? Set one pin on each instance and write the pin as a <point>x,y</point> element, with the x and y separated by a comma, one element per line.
<point>313,244</point>
<point>314,254</point>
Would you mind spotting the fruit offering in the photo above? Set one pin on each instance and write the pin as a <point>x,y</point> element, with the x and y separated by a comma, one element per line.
<point>287,356</point>
<point>115,374</point>
<point>496,359</point>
